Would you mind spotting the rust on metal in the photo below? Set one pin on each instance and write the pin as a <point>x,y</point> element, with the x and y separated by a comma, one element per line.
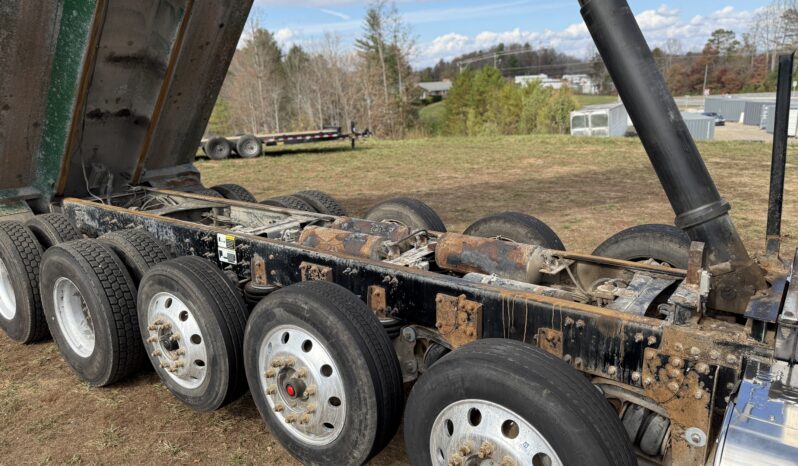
<point>695,263</point>
<point>490,256</point>
<point>159,102</point>
<point>377,300</point>
<point>82,94</point>
<point>390,231</point>
<point>259,274</point>
<point>343,242</point>
<point>550,341</point>
<point>314,272</point>
<point>458,320</point>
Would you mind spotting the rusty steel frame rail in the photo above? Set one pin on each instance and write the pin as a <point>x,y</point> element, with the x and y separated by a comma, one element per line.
<point>688,370</point>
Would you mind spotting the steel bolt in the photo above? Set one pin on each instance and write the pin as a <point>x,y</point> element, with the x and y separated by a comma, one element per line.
<point>271,389</point>
<point>699,394</point>
<point>679,347</point>
<point>638,337</point>
<point>180,352</point>
<point>714,354</point>
<point>156,354</point>
<point>649,355</point>
<point>731,359</point>
<point>578,362</point>
<point>304,419</point>
<point>569,321</point>
<point>648,381</point>
<point>652,340</point>
<point>695,351</point>
<point>467,448</point>
<point>279,407</point>
<point>567,358</point>
<point>702,368</point>
<point>439,325</point>
<point>291,418</point>
<point>471,332</point>
<point>674,387</point>
<point>302,373</point>
<point>311,390</point>
<point>153,328</point>
<point>612,370</point>
<point>409,334</point>
<point>677,362</point>
<point>270,373</point>
<point>635,376</point>
<point>152,339</point>
<point>278,362</point>
<point>580,323</point>
<point>175,337</point>
<point>289,362</point>
<point>508,461</point>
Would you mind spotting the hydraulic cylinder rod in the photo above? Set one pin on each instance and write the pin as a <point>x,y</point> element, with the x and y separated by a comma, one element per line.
<point>700,211</point>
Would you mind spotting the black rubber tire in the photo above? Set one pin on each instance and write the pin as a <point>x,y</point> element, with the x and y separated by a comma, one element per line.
<point>21,253</point>
<point>234,192</point>
<point>517,227</point>
<point>110,297</point>
<point>409,212</point>
<point>221,315</point>
<point>663,243</point>
<point>218,148</point>
<point>368,365</point>
<point>249,146</point>
<point>289,202</point>
<point>52,229</point>
<point>322,202</point>
<point>137,249</point>
<point>554,398</point>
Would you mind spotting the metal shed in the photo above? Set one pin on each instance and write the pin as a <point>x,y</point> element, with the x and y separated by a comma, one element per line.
<point>600,120</point>
<point>701,127</point>
<point>731,108</point>
<point>753,112</point>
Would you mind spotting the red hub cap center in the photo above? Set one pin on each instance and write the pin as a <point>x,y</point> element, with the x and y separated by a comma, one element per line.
<point>290,390</point>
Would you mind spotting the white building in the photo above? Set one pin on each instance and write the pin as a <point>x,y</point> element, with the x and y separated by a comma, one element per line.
<point>541,78</point>
<point>435,88</point>
<point>582,83</point>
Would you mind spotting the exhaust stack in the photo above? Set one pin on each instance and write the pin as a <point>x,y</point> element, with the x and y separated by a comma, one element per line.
<point>700,211</point>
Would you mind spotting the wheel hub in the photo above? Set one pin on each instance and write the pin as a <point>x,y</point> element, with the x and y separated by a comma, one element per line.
<point>176,340</point>
<point>483,433</point>
<point>73,317</point>
<point>302,385</point>
<point>8,300</point>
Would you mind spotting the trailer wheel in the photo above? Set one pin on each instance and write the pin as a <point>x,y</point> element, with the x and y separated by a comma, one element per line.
<point>21,314</point>
<point>218,148</point>
<point>407,211</point>
<point>513,404</point>
<point>52,229</point>
<point>322,202</point>
<point>665,244</point>
<point>323,374</point>
<point>249,146</point>
<point>516,227</point>
<point>234,192</point>
<point>192,319</point>
<point>137,249</point>
<point>90,304</point>
<point>289,202</point>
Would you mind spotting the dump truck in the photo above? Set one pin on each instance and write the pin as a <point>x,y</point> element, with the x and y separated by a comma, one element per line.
<point>667,345</point>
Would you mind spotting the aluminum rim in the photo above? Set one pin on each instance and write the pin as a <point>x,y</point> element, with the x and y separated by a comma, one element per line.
<point>176,341</point>
<point>73,317</point>
<point>303,385</point>
<point>481,432</point>
<point>8,299</point>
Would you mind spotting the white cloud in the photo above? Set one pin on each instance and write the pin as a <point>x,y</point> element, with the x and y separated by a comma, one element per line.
<point>284,36</point>
<point>658,26</point>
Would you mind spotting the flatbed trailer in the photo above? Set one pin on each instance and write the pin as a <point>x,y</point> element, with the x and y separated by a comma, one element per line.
<point>666,346</point>
<point>248,146</point>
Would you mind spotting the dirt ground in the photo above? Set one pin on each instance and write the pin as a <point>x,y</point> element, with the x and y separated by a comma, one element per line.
<point>586,189</point>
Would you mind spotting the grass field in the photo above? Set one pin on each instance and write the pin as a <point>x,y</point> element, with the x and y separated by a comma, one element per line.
<point>586,189</point>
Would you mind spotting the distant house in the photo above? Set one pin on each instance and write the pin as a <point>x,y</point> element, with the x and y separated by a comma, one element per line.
<point>435,88</point>
<point>543,79</point>
<point>582,83</point>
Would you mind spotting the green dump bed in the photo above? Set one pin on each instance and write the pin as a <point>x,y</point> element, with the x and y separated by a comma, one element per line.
<point>99,95</point>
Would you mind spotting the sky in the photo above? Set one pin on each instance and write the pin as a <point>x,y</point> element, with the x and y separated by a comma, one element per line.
<point>445,29</point>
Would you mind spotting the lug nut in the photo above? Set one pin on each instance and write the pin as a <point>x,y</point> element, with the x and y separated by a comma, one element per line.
<point>153,328</point>
<point>271,389</point>
<point>291,418</point>
<point>279,407</point>
<point>304,419</point>
<point>270,373</point>
<point>508,461</point>
<point>302,373</point>
<point>152,339</point>
<point>278,362</point>
<point>635,376</point>
<point>175,337</point>
<point>677,362</point>
<point>156,354</point>
<point>180,352</point>
<point>289,362</point>
<point>467,448</point>
<point>311,408</point>
<point>674,387</point>
<point>311,390</point>
<point>486,449</point>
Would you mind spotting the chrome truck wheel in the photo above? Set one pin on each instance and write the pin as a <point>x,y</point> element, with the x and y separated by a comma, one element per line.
<point>513,405</point>
<point>304,384</point>
<point>73,317</point>
<point>179,345</point>
<point>8,298</point>
<point>192,320</point>
<point>323,374</point>
<point>471,431</point>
